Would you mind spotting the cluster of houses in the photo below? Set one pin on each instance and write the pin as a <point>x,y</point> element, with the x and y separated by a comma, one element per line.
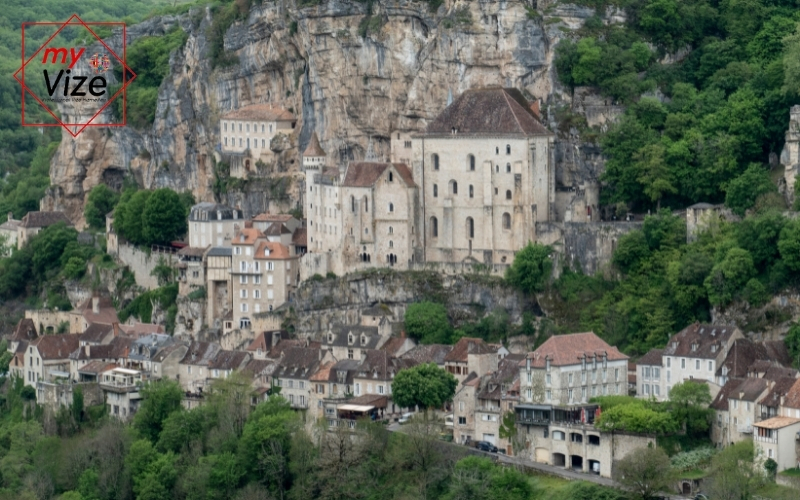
<point>755,390</point>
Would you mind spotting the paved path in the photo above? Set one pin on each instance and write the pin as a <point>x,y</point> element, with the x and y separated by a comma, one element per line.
<point>543,468</point>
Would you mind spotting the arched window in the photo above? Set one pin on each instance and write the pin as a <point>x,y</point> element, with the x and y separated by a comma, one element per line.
<point>471,162</point>
<point>435,191</point>
<point>435,161</point>
<point>453,187</point>
<point>391,177</point>
<point>508,194</point>
<point>508,168</point>
<point>506,221</point>
<point>508,149</point>
<point>470,227</point>
<point>497,168</point>
<point>471,191</point>
<point>391,244</point>
<point>353,203</point>
<point>497,150</point>
<point>434,227</point>
<point>391,230</point>
<point>366,204</point>
<point>391,207</point>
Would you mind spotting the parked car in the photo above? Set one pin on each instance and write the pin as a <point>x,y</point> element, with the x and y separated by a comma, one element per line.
<point>486,446</point>
<point>404,418</point>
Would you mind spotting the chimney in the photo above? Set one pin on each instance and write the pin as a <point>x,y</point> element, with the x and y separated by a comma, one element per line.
<point>10,216</point>
<point>95,304</point>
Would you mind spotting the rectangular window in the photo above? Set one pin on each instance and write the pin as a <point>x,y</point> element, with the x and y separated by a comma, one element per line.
<point>380,389</point>
<point>270,266</point>
<point>225,126</point>
<point>256,294</point>
<point>669,362</point>
<point>583,377</point>
<point>656,390</point>
<point>547,394</point>
<point>616,373</point>
<point>711,366</point>
<point>269,295</point>
<point>263,144</point>
<point>569,395</point>
<point>243,280</point>
<point>244,308</point>
<point>697,364</point>
<point>242,294</point>
<point>569,377</point>
<point>257,267</point>
<point>646,372</point>
<point>462,420</point>
<point>269,279</point>
<point>656,373</point>
<point>683,363</point>
<point>547,379</point>
<point>256,280</point>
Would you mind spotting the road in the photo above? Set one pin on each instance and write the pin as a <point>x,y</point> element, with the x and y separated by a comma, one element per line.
<point>544,468</point>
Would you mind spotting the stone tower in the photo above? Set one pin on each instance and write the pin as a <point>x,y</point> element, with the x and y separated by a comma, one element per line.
<point>314,155</point>
<point>790,156</point>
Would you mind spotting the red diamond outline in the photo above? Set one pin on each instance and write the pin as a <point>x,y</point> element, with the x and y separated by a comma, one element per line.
<point>125,80</point>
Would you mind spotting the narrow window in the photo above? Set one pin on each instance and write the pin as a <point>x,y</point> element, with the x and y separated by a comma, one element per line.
<point>391,207</point>
<point>506,221</point>
<point>454,186</point>
<point>434,227</point>
<point>508,168</point>
<point>508,149</point>
<point>508,194</point>
<point>435,159</point>
<point>471,191</point>
<point>391,177</point>
<point>471,162</point>
<point>435,191</point>
<point>470,227</point>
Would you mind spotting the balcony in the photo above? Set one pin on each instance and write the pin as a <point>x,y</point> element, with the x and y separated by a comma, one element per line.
<point>765,439</point>
<point>530,420</point>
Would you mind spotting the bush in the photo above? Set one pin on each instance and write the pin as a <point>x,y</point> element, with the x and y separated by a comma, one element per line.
<point>531,269</point>
<point>427,322</point>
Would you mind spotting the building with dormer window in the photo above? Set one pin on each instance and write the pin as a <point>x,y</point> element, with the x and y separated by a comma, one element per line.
<point>246,133</point>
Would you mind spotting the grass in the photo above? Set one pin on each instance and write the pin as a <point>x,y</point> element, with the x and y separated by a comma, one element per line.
<point>775,491</point>
<point>694,474</point>
<point>549,486</point>
<point>795,472</point>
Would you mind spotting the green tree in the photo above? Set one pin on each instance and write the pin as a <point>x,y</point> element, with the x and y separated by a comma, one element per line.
<point>129,217</point>
<point>734,474</point>
<point>101,200</point>
<point>427,322</point>
<point>743,191</point>
<point>163,272</point>
<point>160,399</point>
<point>656,176</point>
<point>477,478</point>
<point>424,386</point>
<point>77,404</point>
<point>688,402</point>
<point>792,341</point>
<point>789,245</point>
<point>531,269</point>
<point>636,417</point>
<point>164,217</point>
<point>729,276</point>
<point>645,472</point>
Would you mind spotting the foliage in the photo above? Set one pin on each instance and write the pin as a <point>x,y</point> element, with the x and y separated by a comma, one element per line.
<point>424,386</point>
<point>531,269</point>
<point>686,460</point>
<point>478,478</point>
<point>427,322</point>
<point>792,341</point>
<point>163,272</point>
<point>744,190</point>
<point>645,472</point>
<point>636,418</point>
<point>151,217</point>
<point>142,306</point>
<point>688,403</point>
<point>734,473</point>
<point>101,201</point>
<point>160,399</point>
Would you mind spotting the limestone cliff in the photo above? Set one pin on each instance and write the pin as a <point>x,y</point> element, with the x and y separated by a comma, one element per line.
<point>353,82</point>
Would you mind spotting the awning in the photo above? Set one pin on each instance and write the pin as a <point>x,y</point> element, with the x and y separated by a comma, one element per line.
<point>533,407</point>
<point>358,408</point>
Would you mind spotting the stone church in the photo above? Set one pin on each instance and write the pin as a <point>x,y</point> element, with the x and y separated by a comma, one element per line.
<point>480,176</point>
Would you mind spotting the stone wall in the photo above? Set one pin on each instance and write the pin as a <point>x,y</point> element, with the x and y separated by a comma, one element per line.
<point>142,263</point>
<point>585,246</point>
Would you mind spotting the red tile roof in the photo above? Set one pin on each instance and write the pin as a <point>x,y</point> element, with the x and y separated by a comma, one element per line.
<point>268,217</point>
<point>569,349</point>
<point>250,236</point>
<point>25,330</point>
<point>300,237</point>
<point>466,346</point>
<point>277,251</point>
<point>793,396</point>
<point>107,315</point>
<point>261,112</point>
<point>488,111</point>
<point>54,347</point>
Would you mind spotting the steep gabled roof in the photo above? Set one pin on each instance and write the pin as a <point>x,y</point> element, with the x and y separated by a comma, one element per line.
<point>106,315</point>
<point>431,353</point>
<point>720,402</point>
<point>298,362</point>
<point>200,353</point>
<point>569,349</point>
<point>652,358</point>
<point>277,251</point>
<point>746,355</point>
<point>96,333</point>
<point>44,219</point>
<point>751,389</point>
<point>466,346</point>
<point>365,174</point>
<point>229,360</point>
<point>699,341</point>
<point>792,399</point>
<point>55,347</point>
<point>488,111</point>
<point>780,388</point>
<point>300,237</point>
<point>25,330</point>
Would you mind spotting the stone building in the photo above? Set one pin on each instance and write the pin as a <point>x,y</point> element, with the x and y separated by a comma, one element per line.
<point>246,133</point>
<point>471,355</point>
<point>775,438</point>
<point>293,374</point>
<point>568,370</point>
<point>486,171</point>
<point>8,234</point>
<point>790,156</point>
<point>193,368</point>
<point>121,389</point>
<point>648,375</point>
<point>264,275</point>
<point>219,294</point>
<point>212,224</point>
<point>33,222</point>
<point>48,358</point>
<point>363,219</point>
<point>375,374</point>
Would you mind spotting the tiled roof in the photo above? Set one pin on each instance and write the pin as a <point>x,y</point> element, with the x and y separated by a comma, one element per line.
<point>652,358</point>
<point>300,237</point>
<point>107,314</point>
<point>25,330</point>
<point>792,399</point>
<point>44,219</point>
<point>365,174</point>
<point>750,389</point>
<point>699,341</point>
<point>569,349</point>
<point>393,345</point>
<point>779,372</point>
<point>96,333</point>
<point>720,402</point>
<point>489,111</point>
<point>431,353</point>
<point>247,236</point>
<point>472,379</point>
<point>297,362</point>
<point>200,353</point>
<point>277,251</point>
<point>229,360</point>
<point>119,347</point>
<point>53,347</point>
<point>268,217</point>
<point>9,225</point>
<point>323,373</point>
<point>745,354</point>
<point>220,252</point>
<point>97,366</point>
<point>264,340</point>
<point>375,400</point>
<point>313,148</point>
<point>260,112</point>
<point>142,329</point>
<point>501,380</point>
<point>276,229</point>
<point>780,388</point>
<point>258,367</point>
<point>468,345</point>
<point>341,336</point>
<point>777,422</point>
<point>191,251</point>
<point>381,365</point>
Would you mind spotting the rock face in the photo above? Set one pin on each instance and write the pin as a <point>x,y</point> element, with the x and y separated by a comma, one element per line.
<point>351,75</point>
<point>319,304</point>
